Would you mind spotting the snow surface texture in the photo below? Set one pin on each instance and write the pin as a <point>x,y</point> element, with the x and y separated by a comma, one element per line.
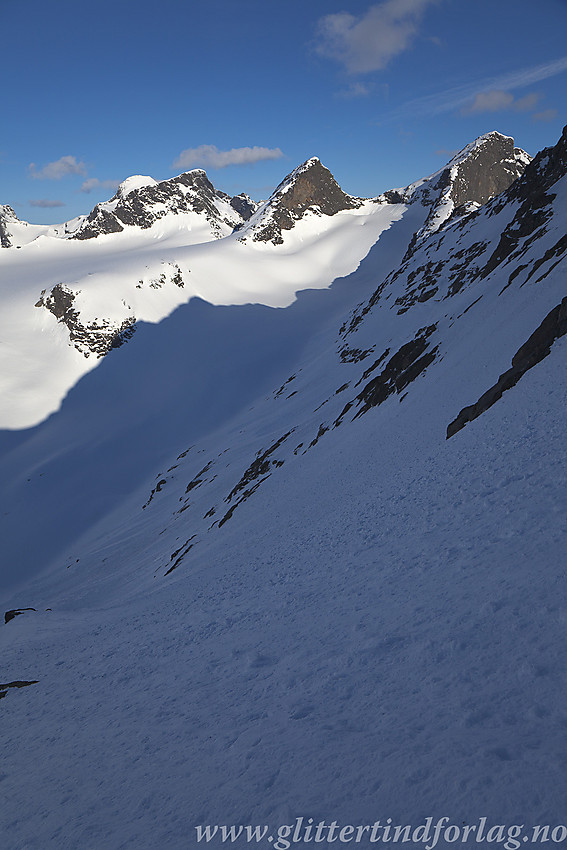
<point>276,589</point>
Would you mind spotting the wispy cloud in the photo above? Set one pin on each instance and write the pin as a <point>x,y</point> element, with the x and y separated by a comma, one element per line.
<point>497,100</point>
<point>58,169</point>
<point>210,156</point>
<point>368,42</point>
<point>95,183</point>
<point>545,115</point>
<point>354,90</point>
<point>44,203</point>
<point>460,96</point>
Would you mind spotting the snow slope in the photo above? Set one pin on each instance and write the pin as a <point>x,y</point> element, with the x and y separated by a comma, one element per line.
<point>276,589</point>
<point>143,275</point>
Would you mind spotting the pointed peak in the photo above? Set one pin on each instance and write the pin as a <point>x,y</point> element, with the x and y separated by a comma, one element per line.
<point>192,173</point>
<point>308,188</point>
<point>502,146</point>
<point>309,164</point>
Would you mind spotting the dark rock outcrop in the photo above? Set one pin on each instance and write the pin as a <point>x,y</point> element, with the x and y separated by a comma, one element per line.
<point>528,355</point>
<point>532,194</point>
<point>402,368</point>
<point>10,615</point>
<point>243,205</point>
<point>310,187</point>
<point>97,337</point>
<point>4,688</point>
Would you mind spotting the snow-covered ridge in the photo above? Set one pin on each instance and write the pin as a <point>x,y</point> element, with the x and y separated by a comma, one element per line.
<point>78,290</point>
<point>68,301</point>
<point>141,202</point>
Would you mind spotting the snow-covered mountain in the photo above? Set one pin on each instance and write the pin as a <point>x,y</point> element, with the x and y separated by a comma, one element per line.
<point>142,201</point>
<point>265,564</point>
<point>79,289</point>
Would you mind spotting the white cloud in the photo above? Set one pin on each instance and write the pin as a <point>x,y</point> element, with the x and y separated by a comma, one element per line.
<point>497,100</point>
<point>210,156</point>
<point>355,90</point>
<point>44,203</point>
<point>460,96</point>
<point>527,103</point>
<point>368,42</point>
<point>95,183</point>
<point>489,101</point>
<point>58,169</point>
<point>545,115</point>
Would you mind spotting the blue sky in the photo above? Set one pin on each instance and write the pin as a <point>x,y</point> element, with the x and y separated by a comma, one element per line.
<point>383,93</point>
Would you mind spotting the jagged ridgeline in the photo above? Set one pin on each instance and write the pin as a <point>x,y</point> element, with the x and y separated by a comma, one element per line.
<point>187,210</point>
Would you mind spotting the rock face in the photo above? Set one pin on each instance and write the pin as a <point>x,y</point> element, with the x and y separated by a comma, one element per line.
<point>97,337</point>
<point>243,205</point>
<point>535,205</point>
<point>143,205</point>
<point>489,168</point>
<point>11,615</point>
<point>311,187</point>
<point>466,181</point>
<point>7,215</point>
<point>482,170</point>
<point>528,355</point>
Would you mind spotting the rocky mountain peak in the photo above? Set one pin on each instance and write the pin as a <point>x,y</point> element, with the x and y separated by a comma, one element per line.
<point>310,187</point>
<point>486,168</point>
<point>480,171</point>
<point>141,201</point>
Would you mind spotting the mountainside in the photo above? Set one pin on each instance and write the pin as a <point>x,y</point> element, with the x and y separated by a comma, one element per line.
<point>267,564</point>
<point>476,174</point>
<point>80,289</point>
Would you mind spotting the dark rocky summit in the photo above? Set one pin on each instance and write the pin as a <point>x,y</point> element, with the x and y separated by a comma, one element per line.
<point>489,169</point>
<point>310,187</point>
<point>478,173</point>
<point>428,265</point>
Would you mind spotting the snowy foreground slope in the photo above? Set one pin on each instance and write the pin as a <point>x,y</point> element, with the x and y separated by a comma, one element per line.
<point>305,562</point>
